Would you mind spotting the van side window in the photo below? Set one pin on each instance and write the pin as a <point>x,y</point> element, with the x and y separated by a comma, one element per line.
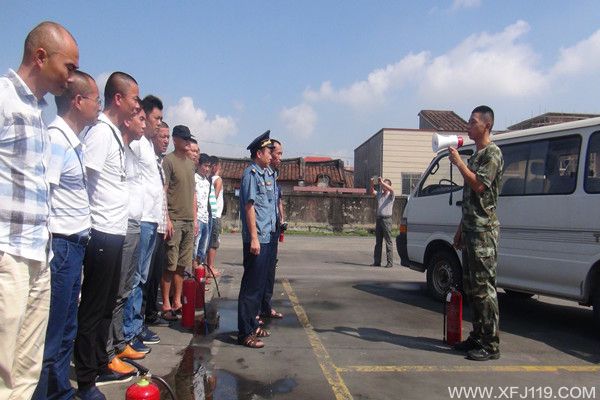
<point>541,167</point>
<point>438,180</point>
<point>515,168</point>
<point>592,165</point>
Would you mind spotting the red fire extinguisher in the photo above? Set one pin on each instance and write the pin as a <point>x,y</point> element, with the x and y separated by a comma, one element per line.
<point>200,274</point>
<point>189,301</point>
<point>453,317</point>
<point>143,390</point>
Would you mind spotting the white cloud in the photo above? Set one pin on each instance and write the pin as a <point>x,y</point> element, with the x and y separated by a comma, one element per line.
<point>490,63</point>
<point>456,4</point>
<point>583,57</point>
<point>299,120</point>
<point>498,68</point>
<point>482,64</point>
<point>373,90</point>
<point>202,127</point>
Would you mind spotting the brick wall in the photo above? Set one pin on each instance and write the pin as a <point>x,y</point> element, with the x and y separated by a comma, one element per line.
<point>322,211</point>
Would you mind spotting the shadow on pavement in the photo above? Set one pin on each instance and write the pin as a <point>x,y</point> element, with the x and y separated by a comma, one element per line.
<point>380,335</point>
<point>566,328</point>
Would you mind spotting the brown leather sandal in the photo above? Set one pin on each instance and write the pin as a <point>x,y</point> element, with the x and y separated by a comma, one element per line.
<point>261,332</point>
<point>253,342</point>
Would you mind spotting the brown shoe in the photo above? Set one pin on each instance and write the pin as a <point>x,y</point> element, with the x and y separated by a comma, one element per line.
<point>118,366</point>
<point>131,354</point>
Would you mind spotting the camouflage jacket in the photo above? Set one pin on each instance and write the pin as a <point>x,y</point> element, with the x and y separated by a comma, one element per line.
<point>479,210</point>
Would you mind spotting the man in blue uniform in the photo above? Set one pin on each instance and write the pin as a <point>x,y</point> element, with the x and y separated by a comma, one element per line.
<point>257,212</point>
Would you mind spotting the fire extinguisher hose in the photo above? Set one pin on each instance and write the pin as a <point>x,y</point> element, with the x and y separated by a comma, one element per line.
<point>145,371</point>
<point>214,280</point>
<point>165,384</point>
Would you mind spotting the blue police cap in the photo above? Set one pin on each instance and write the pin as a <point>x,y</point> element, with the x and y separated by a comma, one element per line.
<point>261,142</point>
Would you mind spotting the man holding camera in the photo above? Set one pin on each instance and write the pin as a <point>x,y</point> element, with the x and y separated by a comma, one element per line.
<point>383,225</point>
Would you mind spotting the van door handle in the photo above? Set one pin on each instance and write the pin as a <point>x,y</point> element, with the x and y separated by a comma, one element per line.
<point>459,203</point>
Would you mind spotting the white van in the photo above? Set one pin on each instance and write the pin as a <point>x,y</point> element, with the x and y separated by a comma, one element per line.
<point>549,212</point>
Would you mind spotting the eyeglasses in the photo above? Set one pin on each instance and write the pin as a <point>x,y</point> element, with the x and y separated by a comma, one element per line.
<point>98,100</point>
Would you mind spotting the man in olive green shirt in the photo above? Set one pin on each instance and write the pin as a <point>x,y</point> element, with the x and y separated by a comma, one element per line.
<point>477,235</point>
<point>180,186</point>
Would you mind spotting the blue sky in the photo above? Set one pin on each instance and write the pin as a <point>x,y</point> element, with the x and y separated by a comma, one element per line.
<point>325,75</point>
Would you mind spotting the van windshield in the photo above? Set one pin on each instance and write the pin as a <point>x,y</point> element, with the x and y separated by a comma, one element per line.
<point>438,179</point>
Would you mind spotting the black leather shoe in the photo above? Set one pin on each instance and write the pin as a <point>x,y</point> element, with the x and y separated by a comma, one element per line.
<point>467,345</point>
<point>483,355</point>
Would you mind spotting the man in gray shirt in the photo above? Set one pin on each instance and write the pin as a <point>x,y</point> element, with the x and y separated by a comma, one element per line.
<point>383,226</point>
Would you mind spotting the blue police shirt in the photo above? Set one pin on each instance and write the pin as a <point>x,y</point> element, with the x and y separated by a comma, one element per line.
<point>258,187</point>
<point>277,191</point>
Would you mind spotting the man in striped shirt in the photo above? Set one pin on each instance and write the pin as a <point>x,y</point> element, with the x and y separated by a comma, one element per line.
<point>77,108</point>
<point>49,59</point>
<point>215,201</point>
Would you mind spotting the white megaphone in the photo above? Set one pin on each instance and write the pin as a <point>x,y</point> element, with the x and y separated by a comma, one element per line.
<point>439,142</point>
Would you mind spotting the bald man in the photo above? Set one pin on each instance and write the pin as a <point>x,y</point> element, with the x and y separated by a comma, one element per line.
<point>105,163</point>
<point>50,56</point>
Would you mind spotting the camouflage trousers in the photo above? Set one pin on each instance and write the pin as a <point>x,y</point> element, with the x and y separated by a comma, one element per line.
<point>480,255</point>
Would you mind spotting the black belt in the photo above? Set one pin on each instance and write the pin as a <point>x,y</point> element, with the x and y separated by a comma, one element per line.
<point>75,238</point>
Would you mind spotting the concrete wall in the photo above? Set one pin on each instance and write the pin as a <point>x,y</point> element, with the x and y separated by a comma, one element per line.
<point>390,153</point>
<point>322,211</point>
<point>405,151</point>
<point>368,160</point>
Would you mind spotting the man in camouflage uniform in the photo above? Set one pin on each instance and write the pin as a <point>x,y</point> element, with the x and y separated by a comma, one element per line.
<point>477,235</point>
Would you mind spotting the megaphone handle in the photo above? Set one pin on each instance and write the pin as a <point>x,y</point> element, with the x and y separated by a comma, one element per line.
<point>451,180</point>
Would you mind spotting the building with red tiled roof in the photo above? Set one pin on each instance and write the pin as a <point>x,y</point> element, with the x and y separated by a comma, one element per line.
<point>292,172</point>
<point>550,118</point>
<point>440,120</point>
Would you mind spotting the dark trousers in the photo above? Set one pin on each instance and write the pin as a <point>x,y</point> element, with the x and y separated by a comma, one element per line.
<point>383,230</point>
<point>150,288</point>
<point>65,270</point>
<point>101,273</point>
<point>130,259</point>
<point>252,288</point>
<point>266,305</point>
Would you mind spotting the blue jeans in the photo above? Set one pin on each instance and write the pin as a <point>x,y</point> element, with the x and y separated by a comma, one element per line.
<point>133,320</point>
<point>65,270</point>
<point>202,240</point>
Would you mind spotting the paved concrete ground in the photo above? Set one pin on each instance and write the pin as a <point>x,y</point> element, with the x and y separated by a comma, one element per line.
<point>352,331</point>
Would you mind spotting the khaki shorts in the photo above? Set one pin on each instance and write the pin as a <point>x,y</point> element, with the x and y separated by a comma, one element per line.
<point>180,247</point>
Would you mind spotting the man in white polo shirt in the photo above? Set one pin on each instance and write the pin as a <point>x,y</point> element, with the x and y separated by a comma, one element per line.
<point>132,130</point>
<point>153,194</point>
<point>104,157</point>
<point>69,224</point>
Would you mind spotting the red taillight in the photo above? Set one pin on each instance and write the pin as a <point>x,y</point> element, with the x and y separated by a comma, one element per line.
<point>403,226</point>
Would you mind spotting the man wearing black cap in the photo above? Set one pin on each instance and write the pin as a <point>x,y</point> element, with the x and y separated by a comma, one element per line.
<point>179,186</point>
<point>257,205</point>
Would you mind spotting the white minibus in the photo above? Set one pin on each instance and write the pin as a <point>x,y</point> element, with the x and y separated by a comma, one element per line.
<point>549,212</point>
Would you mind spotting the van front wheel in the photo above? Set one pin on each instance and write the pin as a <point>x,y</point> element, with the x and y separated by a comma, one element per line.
<point>443,272</point>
